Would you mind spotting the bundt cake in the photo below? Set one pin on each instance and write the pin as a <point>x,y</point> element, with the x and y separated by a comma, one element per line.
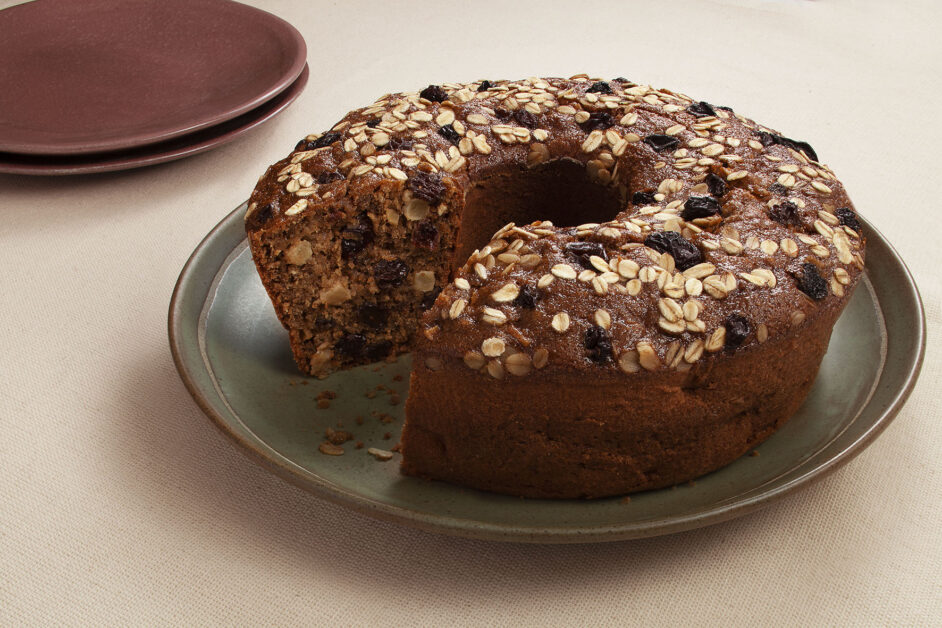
<point>606,287</point>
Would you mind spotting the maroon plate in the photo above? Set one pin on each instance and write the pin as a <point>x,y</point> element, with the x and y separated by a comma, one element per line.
<point>176,148</point>
<point>105,75</point>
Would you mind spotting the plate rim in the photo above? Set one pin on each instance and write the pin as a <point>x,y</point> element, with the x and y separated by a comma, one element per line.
<point>152,155</point>
<point>468,528</point>
<point>291,41</point>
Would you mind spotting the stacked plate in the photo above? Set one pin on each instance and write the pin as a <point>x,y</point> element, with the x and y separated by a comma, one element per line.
<point>103,85</point>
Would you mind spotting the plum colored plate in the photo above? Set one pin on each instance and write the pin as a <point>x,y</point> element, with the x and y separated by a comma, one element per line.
<point>233,356</point>
<point>170,150</point>
<point>106,75</point>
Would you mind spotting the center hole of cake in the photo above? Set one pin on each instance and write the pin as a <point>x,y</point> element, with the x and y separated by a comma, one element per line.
<point>561,191</point>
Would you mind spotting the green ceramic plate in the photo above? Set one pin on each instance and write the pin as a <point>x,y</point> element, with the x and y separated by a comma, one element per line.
<point>233,355</point>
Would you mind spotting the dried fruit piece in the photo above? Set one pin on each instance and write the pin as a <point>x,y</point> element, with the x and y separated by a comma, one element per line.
<point>526,298</point>
<point>684,252</point>
<point>388,273</point>
<point>428,187</point>
<point>426,236</point>
<point>261,215</point>
<point>329,176</point>
<point>356,236</point>
<point>582,251</point>
<point>848,218</point>
<point>429,299</point>
<point>372,315</point>
<point>378,350</point>
<point>434,93</point>
<point>661,142</point>
<point>449,133</point>
<point>599,87</point>
<point>785,213</point>
<point>398,143</point>
<point>771,139</point>
<point>373,123</point>
<point>324,140</point>
<point>484,86</point>
<point>642,198</point>
<point>716,185</point>
<point>351,346</point>
<point>701,109</point>
<point>700,207</point>
<point>600,120</point>
<point>811,282</point>
<point>598,344</point>
<point>525,119</point>
<point>737,330</point>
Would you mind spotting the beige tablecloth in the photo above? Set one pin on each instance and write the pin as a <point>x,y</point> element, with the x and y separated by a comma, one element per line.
<point>120,504</point>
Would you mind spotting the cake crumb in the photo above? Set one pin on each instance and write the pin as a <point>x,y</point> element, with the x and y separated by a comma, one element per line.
<point>359,444</point>
<point>370,394</point>
<point>330,449</point>
<point>337,437</point>
<point>323,404</point>
<point>396,447</point>
<point>397,378</point>
<point>626,499</point>
<point>754,454</point>
<point>359,420</point>
<point>394,400</point>
<point>387,435</point>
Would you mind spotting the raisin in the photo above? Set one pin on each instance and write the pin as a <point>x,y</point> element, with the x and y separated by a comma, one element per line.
<point>716,185</point>
<point>525,119</point>
<point>724,108</point>
<point>373,123</point>
<point>684,252</point>
<point>701,109</point>
<point>598,345</point>
<point>662,142</point>
<point>737,330</point>
<point>700,207</point>
<point>388,273</point>
<point>324,140</point>
<point>484,86</point>
<point>582,251</point>
<point>622,79</point>
<point>848,218</point>
<point>355,237</point>
<point>428,299</point>
<point>526,298</point>
<point>378,350</point>
<point>449,133</point>
<point>642,198</point>
<point>502,114</point>
<point>329,177</point>
<point>425,236</point>
<point>372,315</point>
<point>778,189</point>
<point>428,187</point>
<point>433,93</point>
<point>811,282</point>
<point>398,143</point>
<point>600,87</point>
<point>785,213</point>
<point>598,120</point>
<point>350,346</point>
<point>261,215</point>
<point>771,139</point>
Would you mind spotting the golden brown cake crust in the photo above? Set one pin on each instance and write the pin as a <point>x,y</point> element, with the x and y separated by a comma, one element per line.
<point>709,242</point>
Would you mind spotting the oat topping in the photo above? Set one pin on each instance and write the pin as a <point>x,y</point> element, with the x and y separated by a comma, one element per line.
<point>718,212</point>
